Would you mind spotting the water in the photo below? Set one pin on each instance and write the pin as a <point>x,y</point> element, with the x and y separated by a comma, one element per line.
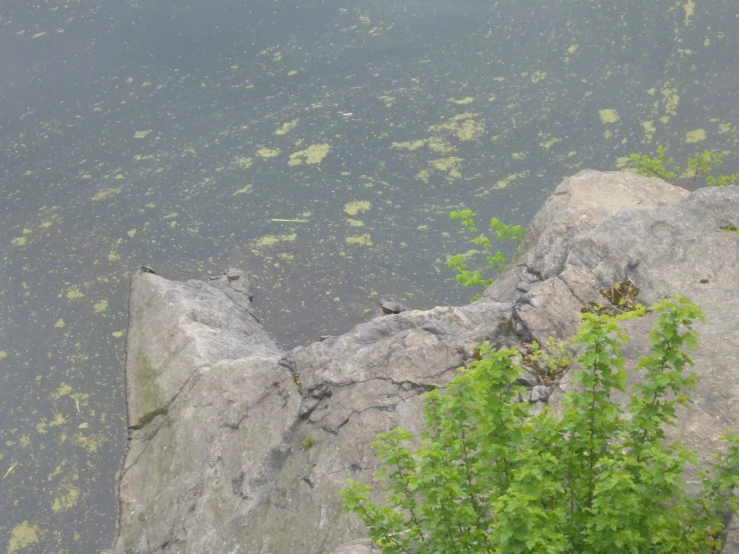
<point>320,145</point>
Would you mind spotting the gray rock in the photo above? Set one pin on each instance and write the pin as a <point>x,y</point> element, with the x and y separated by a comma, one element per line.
<point>537,407</point>
<point>668,243</point>
<point>176,329</point>
<point>220,458</point>
<point>391,306</point>
<point>523,286</point>
<point>527,379</point>
<point>538,393</point>
<point>364,546</point>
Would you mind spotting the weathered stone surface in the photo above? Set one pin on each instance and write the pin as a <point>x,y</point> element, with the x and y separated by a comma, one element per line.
<point>177,328</point>
<point>665,250</point>
<point>364,546</point>
<point>579,204</point>
<point>247,454</point>
<point>391,306</point>
<point>236,447</point>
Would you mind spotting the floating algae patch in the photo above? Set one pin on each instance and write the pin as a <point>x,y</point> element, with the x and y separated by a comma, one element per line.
<point>57,471</point>
<point>244,190</point>
<point>66,498</point>
<point>63,390</point>
<point>355,223</point>
<point>464,126</point>
<point>389,100</point>
<point>697,135</point>
<point>353,208</point>
<point>649,129</point>
<point>622,162</point>
<point>449,167</point>
<point>689,8</point>
<point>671,100</point>
<point>609,116</point>
<point>440,144</point>
<point>547,144</point>
<point>73,293</point>
<point>22,535</point>
<point>19,241</point>
<point>312,155</point>
<point>286,127</point>
<point>538,76</point>
<point>268,152</point>
<point>364,240</point>
<point>141,134</point>
<point>270,240</point>
<point>462,101</point>
<point>242,162</point>
<point>503,183</point>
<point>412,145</point>
<point>724,128</point>
<point>89,443</point>
<point>105,193</point>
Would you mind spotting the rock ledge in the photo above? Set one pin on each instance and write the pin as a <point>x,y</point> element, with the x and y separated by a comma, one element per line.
<point>236,447</point>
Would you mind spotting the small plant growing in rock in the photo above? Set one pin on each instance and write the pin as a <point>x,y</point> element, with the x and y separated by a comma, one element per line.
<point>307,442</point>
<point>496,261</point>
<point>488,477</point>
<point>550,359</point>
<point>701,164</point>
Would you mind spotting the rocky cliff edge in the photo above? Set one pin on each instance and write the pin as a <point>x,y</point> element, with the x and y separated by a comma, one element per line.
<point>236,447</point>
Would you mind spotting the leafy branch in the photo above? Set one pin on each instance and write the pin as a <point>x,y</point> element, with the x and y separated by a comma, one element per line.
<point>496,261</point>
<point>701,164</point>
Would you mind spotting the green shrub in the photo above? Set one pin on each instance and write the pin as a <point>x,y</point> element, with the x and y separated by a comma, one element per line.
<point>308,442</point>
<point>489,477</point>
<point>496,261</point>
<point>701,164</point>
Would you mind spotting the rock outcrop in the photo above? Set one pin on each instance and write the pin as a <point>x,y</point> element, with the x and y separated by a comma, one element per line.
<point>237,447</point>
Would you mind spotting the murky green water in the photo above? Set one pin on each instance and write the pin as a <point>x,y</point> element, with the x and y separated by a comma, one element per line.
<point>321,145</point>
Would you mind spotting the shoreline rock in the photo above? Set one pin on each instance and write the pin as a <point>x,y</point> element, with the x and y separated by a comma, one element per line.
<point>236,447</point>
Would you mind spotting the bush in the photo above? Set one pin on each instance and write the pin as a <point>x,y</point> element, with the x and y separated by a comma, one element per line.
<point>489,477</point>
